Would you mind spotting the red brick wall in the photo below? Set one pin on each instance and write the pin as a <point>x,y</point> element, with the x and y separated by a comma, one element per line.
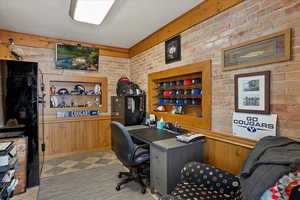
<point>246,21</point>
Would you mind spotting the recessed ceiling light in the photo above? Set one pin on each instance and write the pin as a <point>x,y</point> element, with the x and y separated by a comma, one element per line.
<point>90,11</point>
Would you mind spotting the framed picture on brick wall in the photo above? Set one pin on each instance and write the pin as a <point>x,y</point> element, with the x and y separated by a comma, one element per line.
<point>173,49</point>
<point>268,49</point>
<point>252,92</point>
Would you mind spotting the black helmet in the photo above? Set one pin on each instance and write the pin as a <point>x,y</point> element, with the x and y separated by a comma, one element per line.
<point>79,89</point>
<point>63,91</point>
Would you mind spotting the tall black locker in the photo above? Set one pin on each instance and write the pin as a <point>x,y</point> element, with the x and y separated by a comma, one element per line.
<point>19,86</point>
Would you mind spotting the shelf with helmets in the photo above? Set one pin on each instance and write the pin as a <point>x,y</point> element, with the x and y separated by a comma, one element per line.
<point>182,94</point>
<point>68,93</point>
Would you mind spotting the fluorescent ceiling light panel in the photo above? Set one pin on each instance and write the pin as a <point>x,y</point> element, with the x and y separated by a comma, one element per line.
<point>90,11</point>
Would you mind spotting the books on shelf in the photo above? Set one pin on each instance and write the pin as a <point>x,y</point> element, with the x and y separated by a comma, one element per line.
<point>8,162</point>
<point>8,155</point>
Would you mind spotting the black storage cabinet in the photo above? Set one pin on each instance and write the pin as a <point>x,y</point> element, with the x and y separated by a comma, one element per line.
<point>128,110</point>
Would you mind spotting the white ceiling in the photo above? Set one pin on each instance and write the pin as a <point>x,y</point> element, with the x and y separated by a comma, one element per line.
<point>128,22</point>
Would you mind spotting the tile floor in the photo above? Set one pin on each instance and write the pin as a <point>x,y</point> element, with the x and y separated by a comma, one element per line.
<point>80,162</point>
<point>66,165</point>
<point>30,194</point>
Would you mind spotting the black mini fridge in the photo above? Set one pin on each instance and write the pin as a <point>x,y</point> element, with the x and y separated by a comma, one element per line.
<point>128,110</point>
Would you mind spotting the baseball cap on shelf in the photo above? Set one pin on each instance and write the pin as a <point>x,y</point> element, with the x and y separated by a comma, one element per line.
<point>187,82</point>
<point>196,92</point>
<point>179,83</point>
<point>196,81</point>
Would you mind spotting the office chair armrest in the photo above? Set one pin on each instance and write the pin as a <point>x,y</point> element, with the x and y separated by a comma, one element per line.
<point>143,146</point>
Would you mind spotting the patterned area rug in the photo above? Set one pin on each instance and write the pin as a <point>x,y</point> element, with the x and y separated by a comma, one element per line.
<point>76,163</point>
<point>84,177</point>
<point>30,194</point>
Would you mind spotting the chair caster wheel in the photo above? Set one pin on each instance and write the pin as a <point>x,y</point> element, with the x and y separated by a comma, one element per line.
<point>118,188</point>
<point>143,190</point>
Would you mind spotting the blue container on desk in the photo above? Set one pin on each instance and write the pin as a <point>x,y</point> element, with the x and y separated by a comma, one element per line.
<point>160,124</point>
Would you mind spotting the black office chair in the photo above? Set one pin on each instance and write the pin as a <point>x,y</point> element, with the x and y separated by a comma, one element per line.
<point>134,157</point>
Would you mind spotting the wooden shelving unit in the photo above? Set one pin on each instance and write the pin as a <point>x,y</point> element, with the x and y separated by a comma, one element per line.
<point>76,135</point>
<point>195,114</point>
<point>180,87</point>
<point>97,101</point>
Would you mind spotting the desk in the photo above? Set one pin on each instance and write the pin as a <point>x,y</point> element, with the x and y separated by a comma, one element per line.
<point>149,135</point>
<point>167,156</point>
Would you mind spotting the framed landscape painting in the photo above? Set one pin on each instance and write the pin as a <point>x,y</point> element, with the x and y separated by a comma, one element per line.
<point>268,49</point>
<point>252,92</point>
<point>76,57</point>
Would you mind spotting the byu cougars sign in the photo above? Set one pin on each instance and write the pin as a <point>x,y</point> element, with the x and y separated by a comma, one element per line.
<point>254,126</point>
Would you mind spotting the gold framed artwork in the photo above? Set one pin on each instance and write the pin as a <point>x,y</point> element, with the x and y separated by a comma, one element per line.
<point>268,49</point>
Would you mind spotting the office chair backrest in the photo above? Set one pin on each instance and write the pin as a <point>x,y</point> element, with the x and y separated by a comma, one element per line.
<point>122,143</point>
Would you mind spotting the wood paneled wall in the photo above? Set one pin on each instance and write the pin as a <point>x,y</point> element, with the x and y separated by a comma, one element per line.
<point>70,136</point>
<point>224,151</point>
<point>29,40</point>
<point>226,156</point>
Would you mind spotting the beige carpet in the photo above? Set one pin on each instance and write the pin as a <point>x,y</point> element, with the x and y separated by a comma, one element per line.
<point>91,172</point>
<point>90,184</point>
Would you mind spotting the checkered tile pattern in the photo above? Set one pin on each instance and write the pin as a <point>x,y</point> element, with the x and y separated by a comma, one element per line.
<point>80,162</point>
<point>66,165</point>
